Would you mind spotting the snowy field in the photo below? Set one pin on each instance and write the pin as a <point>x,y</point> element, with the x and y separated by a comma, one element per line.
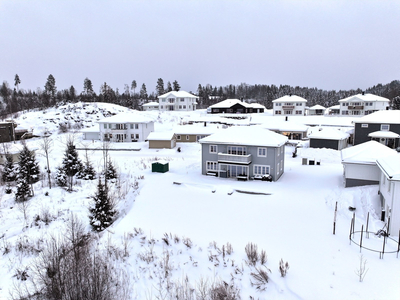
<point>294,222</point>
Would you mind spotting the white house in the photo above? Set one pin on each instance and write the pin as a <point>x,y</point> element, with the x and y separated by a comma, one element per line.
<point>362,104</point>
<point>389,191</point>
<point>150,106</point>
<point>359,163</point>
<point>126,127</point>
<point>289,105</point>
<point>177,101</point>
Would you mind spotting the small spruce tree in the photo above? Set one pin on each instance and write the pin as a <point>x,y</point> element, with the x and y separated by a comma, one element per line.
<point>9,171</point>
<point>71,163</point>
<point>103,212</point>
<point>28,173</point>
<point>111,171</point>
<point>61,177</point>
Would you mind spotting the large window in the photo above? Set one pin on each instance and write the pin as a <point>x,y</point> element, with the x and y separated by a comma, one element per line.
<point>237,150</point>
<point>212,166</point>
<point>213,149</point>
<point>261,152</point>
<point>261,170</point>
<point>278,112</point>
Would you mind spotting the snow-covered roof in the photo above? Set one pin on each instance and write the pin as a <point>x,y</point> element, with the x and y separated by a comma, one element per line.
<point>390,165</point>
<point>290,98</point>
<point>366,153</point>
<point>151,104</point>
<point>256,105</point>
<point>384,134</point>
<point>179,94</point>
<point>90,129</point>
<point>127,117</point>
<point>229,103</point>
<point>317,107</point>
<point>327,133</point>
<point>381,117</point>
<point>246,135</point>
<point>334,107</point>
<point>364,98</point>
<point>161,136</point>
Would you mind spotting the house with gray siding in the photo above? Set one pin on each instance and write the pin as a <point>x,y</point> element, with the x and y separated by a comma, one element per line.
<point>243,152</point>
<point>330,138</point>
<point>382,126</point>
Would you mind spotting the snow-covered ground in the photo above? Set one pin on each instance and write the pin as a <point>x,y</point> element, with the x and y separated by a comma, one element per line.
<point>294,222</point>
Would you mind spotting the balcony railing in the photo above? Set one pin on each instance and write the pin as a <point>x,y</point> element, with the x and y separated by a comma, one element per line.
<point>356,107</point>
<point>233,158</point>
<point>288,106</point>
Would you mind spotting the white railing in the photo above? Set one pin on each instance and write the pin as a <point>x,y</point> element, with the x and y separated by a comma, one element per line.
<point>244,159</point>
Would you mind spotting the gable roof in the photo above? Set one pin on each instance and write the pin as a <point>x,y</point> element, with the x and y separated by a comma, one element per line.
<point>178,94</point>
<point>247,136</point>
<point>390,165</point>
<point>326,133</point>
<point>364,98</point>
<point>161,136</point>
<point>289,98</point>
<point>229,103</point>
<point>127,117</point>
<point>381,117</point>
<point>367,153</point>
<point>316,107</point>
<point>151,104</point>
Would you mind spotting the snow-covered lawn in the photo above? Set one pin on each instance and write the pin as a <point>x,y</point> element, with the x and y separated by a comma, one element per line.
<point>294,222</point>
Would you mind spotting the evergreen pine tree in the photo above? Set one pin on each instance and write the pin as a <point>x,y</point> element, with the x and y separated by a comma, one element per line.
<point>110,172</point>
<point>71,163</point>
<point>28,166</point>
<point>9,171</point>
<point>61,177</point>
<point>88,172</point>
<point>23,189</point>
<point>176,86</point>
<point>103,212</point>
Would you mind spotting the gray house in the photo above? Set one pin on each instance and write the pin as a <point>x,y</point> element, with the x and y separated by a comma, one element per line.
<point>243,152</point>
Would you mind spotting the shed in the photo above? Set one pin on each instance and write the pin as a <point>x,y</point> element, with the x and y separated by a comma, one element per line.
<point>160,166</point>
<point>163,139</point>
<point>328,138</point>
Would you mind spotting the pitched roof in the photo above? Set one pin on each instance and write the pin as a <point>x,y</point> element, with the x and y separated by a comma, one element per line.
<point>367,153</point>
<point>161,136</point>
<point>384,134</point>
<point>247,136</point>
<point>178,94</point>
<point>289,98</point>
<point>317,107</point>
<point>364,98</point>
<point>229,103</point>
<point>381,117</point>
<point>390,165</point>
<point>326,133</point>
<point>285,126</point>
<point>151,104</point>
<point>127,117</point>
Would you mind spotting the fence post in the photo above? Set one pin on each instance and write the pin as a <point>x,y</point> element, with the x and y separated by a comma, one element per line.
<point>351,230</point>
<point>366,230</point>
<point>384,242</point>
<point>334,219</point>
<point>362,230</point>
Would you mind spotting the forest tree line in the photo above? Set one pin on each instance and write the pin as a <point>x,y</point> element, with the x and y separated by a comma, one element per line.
<point>16,99</point>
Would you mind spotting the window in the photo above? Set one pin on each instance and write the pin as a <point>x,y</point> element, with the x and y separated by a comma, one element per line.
<point>277,169</point>
<point>182,99</point>
<point>237,150</point>
<point>136,126</point>
<point>298,112</point>
<point>262,152</point>
<point>385,127</point>
<point>212,166</point>
<point>278,112</point>
<point>178,137</point>
<point>213,149</point>
<point>288,112</point>
<point>260,170</point>
<point>162,107</point>
<point>299,104</point>
<point>105,126</point>
<point>131,126</point>
<point>364,125</point>
<point>137,136</point>
<point>163,100</point>
<point>187,137</point>
<point>184,107</point>
<point>180,106</point>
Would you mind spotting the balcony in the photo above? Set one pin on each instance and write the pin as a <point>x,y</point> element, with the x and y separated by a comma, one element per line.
<point>355,107</point>
<point>288,106</point>
<point>233,158</point>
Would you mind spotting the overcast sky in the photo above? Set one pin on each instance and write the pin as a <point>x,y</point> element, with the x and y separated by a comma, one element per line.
<point>325,44</point>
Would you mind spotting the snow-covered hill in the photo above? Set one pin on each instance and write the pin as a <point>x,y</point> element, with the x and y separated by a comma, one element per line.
<point>170,237</point>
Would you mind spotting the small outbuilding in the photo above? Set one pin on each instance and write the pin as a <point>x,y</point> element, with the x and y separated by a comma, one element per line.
<point>329,138</point>
<point>161,140</point>
<point>160,166</point>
